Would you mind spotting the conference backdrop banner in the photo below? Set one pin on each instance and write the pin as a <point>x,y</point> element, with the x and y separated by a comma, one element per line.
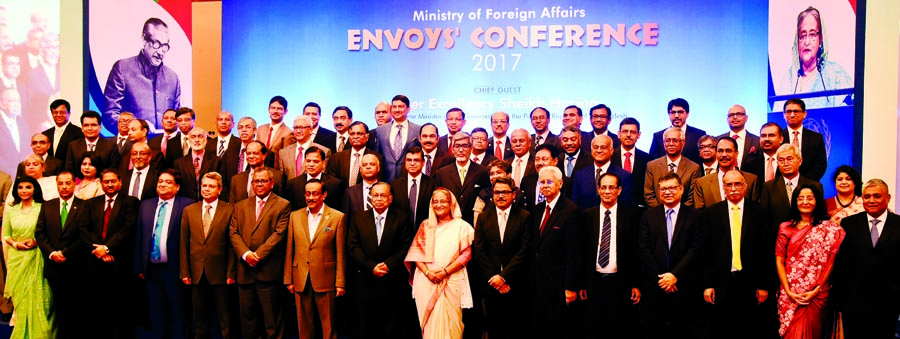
<point>138,59</point>
<point>29,52</point>
<point>510,56</point>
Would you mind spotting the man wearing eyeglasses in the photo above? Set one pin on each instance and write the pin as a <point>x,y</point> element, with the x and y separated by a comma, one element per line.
<point>709,189</point>
<point>810,143</point>
<point>748,143</point>
<point>39,145</point>
<point>142,84</point>
<point>679,110</point>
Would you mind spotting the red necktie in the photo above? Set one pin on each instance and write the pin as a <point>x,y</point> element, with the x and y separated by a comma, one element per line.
<point>546,216</point>
<point>197,167</point>
<point>498,152</point>
<point>106,214</point>
<point>269,138</point>
<point>163,143</point>
<point>628,162</point>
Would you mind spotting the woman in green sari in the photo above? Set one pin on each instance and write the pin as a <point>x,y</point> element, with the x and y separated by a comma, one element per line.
<point>25,283</point>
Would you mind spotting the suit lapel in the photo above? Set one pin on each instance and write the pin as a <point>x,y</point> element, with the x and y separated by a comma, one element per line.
<point>302,231</point>
<point>886,230</point>
<point>679,223</point>
<point>73,214</point>
<point>216,217</point>
<point>370,233</point>
<point>323,223</point>
<point>454,177</point>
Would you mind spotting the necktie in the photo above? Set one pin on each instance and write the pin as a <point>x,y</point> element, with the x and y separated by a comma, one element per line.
<point>163,143</point>
<point>397,141</point>
<point>259,208</point>
<point>672,167</point>
<point>241,159</point>
<point>379,228</point>
<point>298,166</point>
<point>185,147</point>
<point>544,221</point>
<point>413,196</point>
<point>628,161</point>
<point>197,168</point>
<point>790,190</point>
<point>269,138</point>
<point>106,214</point>
<point>569,165</point>
<point>537,140</point>
<point>502,225</point>
<point>136,188</point>
<point>92,147</point>
<point>670,225</point>
<point>207,219</point>
<point>121,144</point>
<point>770,168</point>
<point>354,169</point>
<point>477,159</point>
<point>597,174</point>
<point>462,175</point>
<point>709,170</point>
<point>498,152</point>
<point>342,144</point>
<point>221,148</point>
<point>875,232</point>
<point>64,214</point>
<point>155,251</point>
<point>366,191</point>
<point>736,237</point>
<point>605,238</point>
<point>428,164</point>
<point>735,137</point>
<point>796,140</point>
<point>517,173</point>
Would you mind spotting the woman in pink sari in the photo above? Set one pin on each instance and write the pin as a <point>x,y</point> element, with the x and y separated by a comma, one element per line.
<point>804,255</point>
<point>437,264</point>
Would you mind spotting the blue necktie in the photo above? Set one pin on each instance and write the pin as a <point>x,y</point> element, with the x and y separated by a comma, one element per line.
<point>605,238</point>
<point>670,225</point>
<point>569,166</point>
<point>413,196</point>
<point>874,232</point>
<point>155,252</point>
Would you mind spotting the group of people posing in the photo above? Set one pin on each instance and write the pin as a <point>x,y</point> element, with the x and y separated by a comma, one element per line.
<point>403,231</point>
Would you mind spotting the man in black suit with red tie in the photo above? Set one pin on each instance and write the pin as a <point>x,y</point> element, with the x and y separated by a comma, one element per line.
<point>628,157</point>
<point>195,164</point>
<point>737,272</point>
<point>377,241</point>
<point>63,132</point>
<point>866,276</point>
<point>669,246</point>
<point>502,247</point>
<point>811,143</point>
<point>345,165</point>
<point>613,269</point>
<point>679,110</point>
<point>169,142</point>
<point>413,190</point>
<point>540,121</point>
<point>58,236</point>
<point>498,144</point>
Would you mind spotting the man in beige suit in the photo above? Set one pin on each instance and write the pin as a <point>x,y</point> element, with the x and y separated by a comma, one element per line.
<point>257,234</point>
<point>208,264</point>
<point>673,161</point>
<point>315,249</point>
<point>273,134</point>
<point>708,189</point>
<point>290,158</point>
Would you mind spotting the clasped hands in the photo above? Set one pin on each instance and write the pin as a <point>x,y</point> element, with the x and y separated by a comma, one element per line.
<point>252,259</point>
<point>803,298</point>
<point>101,253</point>
<point>667,282</point>
<point>380,270</point>
<point>22,245</point>
<point>499,284</point>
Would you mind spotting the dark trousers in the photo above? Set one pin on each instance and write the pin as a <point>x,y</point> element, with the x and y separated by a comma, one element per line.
<point>669,315</point>
<point>383,316</point>
<point>611,312</point>
<point>310,304</point>
<point>869,325</point>
<point>165,301</point>
<point>736,309</point>
<point>473,318</point>
<point>550,312</point>
<point>67,306</point>
<point>117,291</point>
<point>505,313</point>
<point>209,299</point>
<point>261,297</point>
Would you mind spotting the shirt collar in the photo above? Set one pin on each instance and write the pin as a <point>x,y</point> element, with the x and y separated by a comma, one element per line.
<point>382,215</point>
<point>612,210</point>
<point>418,178</point>
<point>433,154</point>
<point>524,158</point>
<point>676,161</point>
<point>740,204</point>
<point>880,217</point>
<point>310,177</point>
<point>60,129</point>
<point>676,208</point>
<point>214,204</point>
<point>552,203</point>
<point>604,168</point>
<point>466,167</point>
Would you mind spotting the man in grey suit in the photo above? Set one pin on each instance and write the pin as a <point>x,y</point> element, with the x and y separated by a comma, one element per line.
<point>708,189</point>
<point>394,137</point>
<point>748,143</point>
<point>290,158</point>
<point>673,161</point>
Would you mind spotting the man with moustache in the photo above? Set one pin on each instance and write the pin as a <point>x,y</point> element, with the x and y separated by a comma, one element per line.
<point>317,133</point>
<point>573,116</point>
<point>679,110</point>
<point>138,181</point>
<point>272,134</point>
<point>63,132</point>
<point>573,157</point>
<point>197,163</point>
<point>341,118</point>
<point>748,143</point>
<point>765,164</point>
<point>498,144</point>
<point>345,165</point>
<point>584,181</point>
<point>540,121</point>
<point>673,162</point>
<point>290,158</point>
<point>295,191</point>
<point>412,190</point>
<point>242,183</point>
<point>455,120</point>
<point>435,157</point>
<point>39,145</point>
<point>601,115</point>
<point>479,148</point>
<point>710,189</point>
<point>707,147</point>
<point>125,119</point>
<point>464,178</point>
<point>522,163</point>
<point>811,143</point>
<point>393,138</point>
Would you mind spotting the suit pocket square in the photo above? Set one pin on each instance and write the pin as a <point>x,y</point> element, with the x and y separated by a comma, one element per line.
<point>556,227</point>
<point>477,185</point>
<point>327,229</point>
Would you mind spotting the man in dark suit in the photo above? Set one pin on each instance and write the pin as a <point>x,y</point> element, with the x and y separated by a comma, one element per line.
<point>257,235</point>
<point>208,264</point>
<point>748,143</point>
<point>558,240</point>
<point>673,161</point>
<point>241,183</point>
<point>357,197</point>
<point>345,165</point>
<point>709,189</point>
<point>413,191</point>
<point>396,136</point>
<point>502,247</point>
<point>776,194</point>
<point>455,120</point>
<point>137,133</point>
<point>584,181</point>
<point>545,155</point>
<point>107,229</point>
<point>92,142</point>
<point>377,242</point>
<point>479,150</point>
<point>669,246</point>
<point>498,144</point>
<point>295,191</point>
<point>63,132</point>
<point>235,158</point>
<point>156,259</point>
<point>341,118</point>
<point>169,140</point>
<point>574,157</point>
<point>811,143</point>
<point>121,137</point>
<point>39,145</point>
<point>631,159</point>
<point>613,269</point>
<point>866,277</point>
<point>765,164</point>
<point>540,121</point>
<point>600,118</point>
<point>522,161</point>
<point>224,140</point>
<point>435,157</point>
<point>736,273</point>
<point>59,238</point>
<point>319,135</point>
<point>197,163</point>
<point>679,110</point>
<point>464,179</point>
<point>574,116</point>
<point>140,181</point>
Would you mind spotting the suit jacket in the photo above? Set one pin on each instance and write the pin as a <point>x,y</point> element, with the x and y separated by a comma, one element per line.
<point>277,142</point>
<point>653,245</point>
<point>706,189</point>
<point>386,141</point>
<point>751,147</point>
<point>866,278</point>
<point>757,166</point>
<point>321,259</point>
<point>756,248</point>
<point>148,190</point>
<point>638,164</point>
<point>123,221</point>
<point>71,133</point>
<point>264,236</point>
<point>328,139</point>
<point>51,235</point>
<point>628,263</point>
<point>339,166</point>
<point>812,149</point>
<point>144,235</point>
<point>466,193</point>
<point>691,137</point>
<point>529,166</point>
<point>213,146</point>
<point>354,200</point>
<point>296,189</point>
<point>552,139</point>
<point>686,169</point>
<point>52,166</point>
<point>128,89</point>
<point>557,259</point>
<point>366,252</point>
<point>530,190</point>
<point>400,191</point>
<point>238,183</point>
<point>507,149</point>
<point>287,159</point>
<point>484,160</point>
<point>207,254</point>
<point>444,144</point>
<point>105,149</point>
<point>190,182</point>
<point>173,148</point>
<point>588,138</point>
<point>584,186</point>
<point>8,148</point>
<point>774,199</point>
<point>510,258</point>
<point>584,160</point>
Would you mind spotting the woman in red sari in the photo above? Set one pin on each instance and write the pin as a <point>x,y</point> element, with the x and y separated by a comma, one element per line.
<point>804,255</point>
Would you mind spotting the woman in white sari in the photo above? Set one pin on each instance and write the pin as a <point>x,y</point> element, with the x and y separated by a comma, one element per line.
<point>437,264</point>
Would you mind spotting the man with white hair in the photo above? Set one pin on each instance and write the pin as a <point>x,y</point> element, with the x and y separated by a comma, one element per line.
<point>672,161</point>
<point>776,193</point>
<point>290,158</point>
<point>197,163</point>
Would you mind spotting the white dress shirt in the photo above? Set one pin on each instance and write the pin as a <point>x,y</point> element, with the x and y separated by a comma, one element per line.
<point>882,218</point>
<point>57,135</point>
<point>313,220</point>
<point>403,133</point>
<point>134,176</point>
